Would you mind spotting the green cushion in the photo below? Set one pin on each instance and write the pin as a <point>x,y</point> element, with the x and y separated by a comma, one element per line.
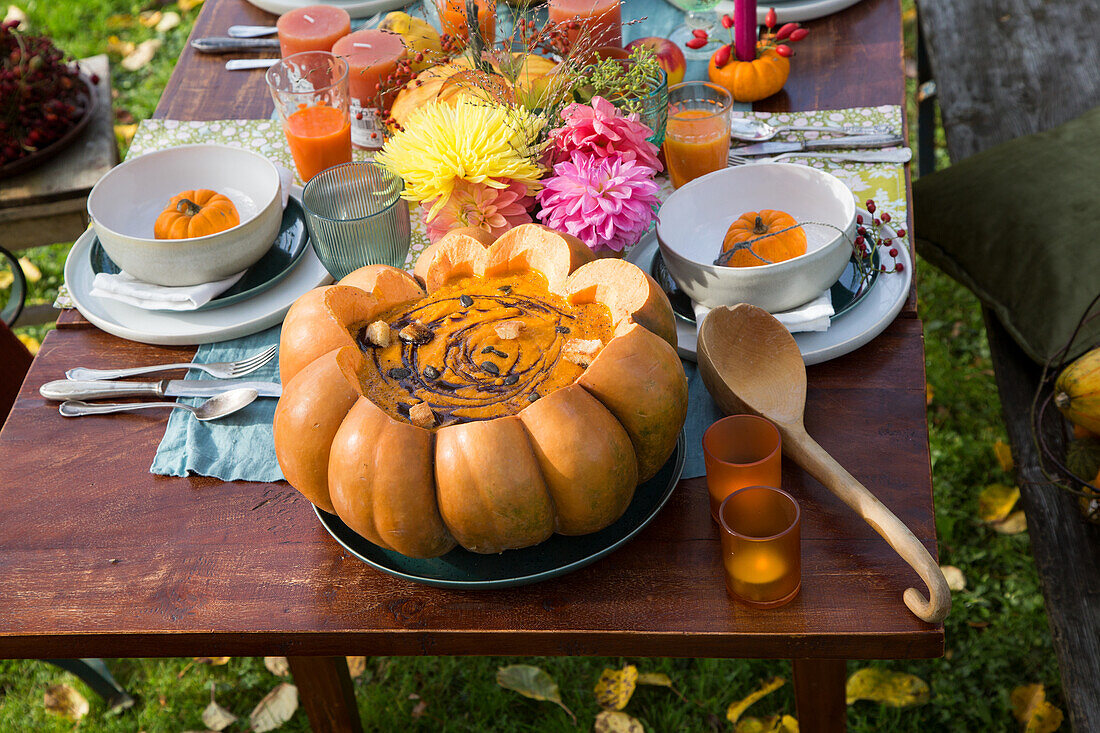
<point>1019,224</point>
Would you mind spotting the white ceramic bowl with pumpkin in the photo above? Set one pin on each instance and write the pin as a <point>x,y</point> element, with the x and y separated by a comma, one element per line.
<point>125,203</point>
<point>694,220</point>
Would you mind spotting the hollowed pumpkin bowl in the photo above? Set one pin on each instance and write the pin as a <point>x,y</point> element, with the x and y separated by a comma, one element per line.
<point>567,462</point>
<point>126,202</point>
<point>694,219</point>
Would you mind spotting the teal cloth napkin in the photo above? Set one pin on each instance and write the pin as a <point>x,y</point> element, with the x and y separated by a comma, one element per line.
<point>241,447</point>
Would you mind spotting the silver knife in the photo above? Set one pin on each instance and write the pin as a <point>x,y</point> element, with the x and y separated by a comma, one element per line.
<point>224,44</point>
<point>249,64</point>
<point>830,143</point>
<point>68,389</point>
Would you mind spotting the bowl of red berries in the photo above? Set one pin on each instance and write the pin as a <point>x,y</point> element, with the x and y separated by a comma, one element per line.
<point>45,101</point>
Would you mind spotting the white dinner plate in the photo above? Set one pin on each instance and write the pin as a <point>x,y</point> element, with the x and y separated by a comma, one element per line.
<point>187,328</point>
<point>355,8</point>
<point>853,329</point>
<point>793,10</point>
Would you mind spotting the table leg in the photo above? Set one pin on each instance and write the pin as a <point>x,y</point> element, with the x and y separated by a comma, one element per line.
<point>819,695</point>
<point>325,691</point>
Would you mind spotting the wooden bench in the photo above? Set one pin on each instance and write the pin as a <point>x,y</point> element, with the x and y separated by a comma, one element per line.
<point>1002,69</point>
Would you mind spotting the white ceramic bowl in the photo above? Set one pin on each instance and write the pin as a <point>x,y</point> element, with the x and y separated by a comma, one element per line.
<point>125,203</point>
<point>694,219</point>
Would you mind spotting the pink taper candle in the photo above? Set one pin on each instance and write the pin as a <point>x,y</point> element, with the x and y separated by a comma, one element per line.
<point>744,29</point>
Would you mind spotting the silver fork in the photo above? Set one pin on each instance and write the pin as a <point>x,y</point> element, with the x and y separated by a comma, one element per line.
<point>218,369</point>
<point>898,155</point>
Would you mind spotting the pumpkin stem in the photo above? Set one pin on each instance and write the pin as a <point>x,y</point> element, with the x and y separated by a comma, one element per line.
<point>1062,400</point>
<point>759,228</point>
<point>187,207</point>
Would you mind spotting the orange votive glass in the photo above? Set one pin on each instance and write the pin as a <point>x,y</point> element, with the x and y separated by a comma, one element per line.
<point>740,451</point>
<point>697,135</point>
<point>314,28</point>
<point>600,22</point>
<point>761,546</point>
<point>452,18</point>
<point>311,97</point>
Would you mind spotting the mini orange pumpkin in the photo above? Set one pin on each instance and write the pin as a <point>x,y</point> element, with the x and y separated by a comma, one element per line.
<point>749,81</point>
<point>196,213</point>
<point>744,238</point>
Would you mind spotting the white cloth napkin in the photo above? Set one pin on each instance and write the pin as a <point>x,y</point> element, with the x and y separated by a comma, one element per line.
<point>127,289</point>
<point>813,316</point>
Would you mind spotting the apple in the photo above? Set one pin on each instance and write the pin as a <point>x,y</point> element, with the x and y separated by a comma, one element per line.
<point>669,56</point>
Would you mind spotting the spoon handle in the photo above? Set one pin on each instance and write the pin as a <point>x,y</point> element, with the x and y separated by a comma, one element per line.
<point>76,408</point>
<point>805,451</point>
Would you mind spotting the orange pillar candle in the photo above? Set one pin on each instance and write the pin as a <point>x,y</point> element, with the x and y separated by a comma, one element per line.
<point>372,55</point>
<point>313,28</point>
<point>601,22</point>
<point>319,138</point>
<point>452,18</point>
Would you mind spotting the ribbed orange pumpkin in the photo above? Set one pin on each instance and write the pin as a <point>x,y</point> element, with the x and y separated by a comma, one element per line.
<point>749,81</point>
<point>568,462</point>
<point>776,245</point>
<point>196,213</point>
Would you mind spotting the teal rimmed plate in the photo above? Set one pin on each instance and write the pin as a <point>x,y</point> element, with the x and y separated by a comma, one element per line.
<point>288,247</point>
<point>559,555</point>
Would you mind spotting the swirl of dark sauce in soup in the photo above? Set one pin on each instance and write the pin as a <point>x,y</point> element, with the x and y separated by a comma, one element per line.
<point>467,371</point>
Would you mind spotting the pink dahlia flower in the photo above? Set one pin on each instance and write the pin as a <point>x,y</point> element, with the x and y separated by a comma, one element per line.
<point>607,203</point>
<point>603,131</point>
<point>496,210</point>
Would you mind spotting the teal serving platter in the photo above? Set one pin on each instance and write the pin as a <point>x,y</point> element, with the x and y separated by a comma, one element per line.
<point>464,570</point>
<point>289,246</point>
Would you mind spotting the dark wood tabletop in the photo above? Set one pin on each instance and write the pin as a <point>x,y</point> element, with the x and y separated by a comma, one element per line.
<point>98,557</point>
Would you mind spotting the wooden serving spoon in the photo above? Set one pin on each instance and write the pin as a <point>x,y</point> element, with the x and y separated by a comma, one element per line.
<point>750,363</point>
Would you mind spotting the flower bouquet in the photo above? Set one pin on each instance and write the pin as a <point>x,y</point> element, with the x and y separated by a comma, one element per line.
<point>491,138</point>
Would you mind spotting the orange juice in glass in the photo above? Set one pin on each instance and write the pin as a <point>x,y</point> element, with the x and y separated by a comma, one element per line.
<point>697,135</point>
<point>310,90</point>
<point>452,18</point>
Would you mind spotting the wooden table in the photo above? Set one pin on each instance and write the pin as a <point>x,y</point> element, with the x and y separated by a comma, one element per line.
<point>100,558</point>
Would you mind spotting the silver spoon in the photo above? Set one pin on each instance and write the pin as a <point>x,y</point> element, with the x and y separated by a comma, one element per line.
<point>217,406</point>
<point>251,31</point>
<point>751,129</point>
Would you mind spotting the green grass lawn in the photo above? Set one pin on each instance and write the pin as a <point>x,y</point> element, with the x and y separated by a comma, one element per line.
<point>997,634</point>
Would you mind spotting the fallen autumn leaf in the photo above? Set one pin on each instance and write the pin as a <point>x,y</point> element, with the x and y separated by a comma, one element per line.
<point>734,711</point>
<point>64,701</point>
<point>532,682</point>
<point>897,689</point>
<point>616,686</point>
<point>276,708</point>
<point>996,501</point>
<point>277,666</point>
<point>613,721</point>
<point>1030,706</point>
<point>954,577</point>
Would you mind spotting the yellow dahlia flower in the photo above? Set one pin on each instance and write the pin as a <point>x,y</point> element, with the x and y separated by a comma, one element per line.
<point>474,140</point>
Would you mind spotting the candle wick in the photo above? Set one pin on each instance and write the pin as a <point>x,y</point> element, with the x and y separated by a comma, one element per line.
<point>311,20</point>
<point>362,45</point>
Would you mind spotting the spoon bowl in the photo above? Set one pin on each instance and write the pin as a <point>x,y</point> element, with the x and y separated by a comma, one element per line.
<point>750,363</point>
<point>217,406</point>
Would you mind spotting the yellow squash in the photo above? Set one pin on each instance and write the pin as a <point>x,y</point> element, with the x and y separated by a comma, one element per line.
<point>1077,392</point>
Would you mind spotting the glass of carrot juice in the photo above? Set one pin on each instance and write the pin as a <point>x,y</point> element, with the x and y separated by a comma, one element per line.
<point>310,90</point>
<point>697,135</point>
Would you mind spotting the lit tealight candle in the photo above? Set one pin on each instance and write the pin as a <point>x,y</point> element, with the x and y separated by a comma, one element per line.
<point>314,28</point>
<point>372,55</point>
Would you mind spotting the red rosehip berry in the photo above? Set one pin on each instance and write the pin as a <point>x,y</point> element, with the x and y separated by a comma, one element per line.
<point>871,205</point>
<point>770,18</point>
<point>893,251</point>
<point>899,267</point>
<point>722,56</point>
<point>699,33</point>
<point>859,218</point>
<point>860,241</point>
<point>900,233</point>
<point>727,21</point>
<point>696,43</point>
<point>785,31</point>
<point>798,34</point>
<point>885,216</point>
<point>784,51</point>
<point>878,222</point>
<point>862,231</point>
